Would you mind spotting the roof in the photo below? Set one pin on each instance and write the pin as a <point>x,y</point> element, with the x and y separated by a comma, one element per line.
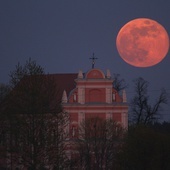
<point>65,81</point>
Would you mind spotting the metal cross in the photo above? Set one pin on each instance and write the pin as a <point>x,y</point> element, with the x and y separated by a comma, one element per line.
<point>93,60</point>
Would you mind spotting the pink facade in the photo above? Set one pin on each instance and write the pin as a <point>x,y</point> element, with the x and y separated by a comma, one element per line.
<point>94,96</point>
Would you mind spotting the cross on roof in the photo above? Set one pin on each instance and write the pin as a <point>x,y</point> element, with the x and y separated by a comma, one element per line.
<point>93,60</point>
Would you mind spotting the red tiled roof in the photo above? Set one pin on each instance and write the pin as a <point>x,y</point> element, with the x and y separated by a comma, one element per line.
<point>65,81</point>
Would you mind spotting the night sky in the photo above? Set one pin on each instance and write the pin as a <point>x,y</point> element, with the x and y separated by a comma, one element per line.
<point>61,35</point>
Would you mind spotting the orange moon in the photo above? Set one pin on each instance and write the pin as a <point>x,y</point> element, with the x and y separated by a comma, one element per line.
<point>142,42</point>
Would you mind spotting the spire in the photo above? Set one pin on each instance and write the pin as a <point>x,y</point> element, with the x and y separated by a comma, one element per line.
<point>124,96</point>
<point>108,75</point>
<point>64,97</point>
<point>80,75</point>
<point>93,60</point>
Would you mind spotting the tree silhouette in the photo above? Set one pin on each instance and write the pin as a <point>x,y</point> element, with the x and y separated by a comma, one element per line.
<point>35,120</point>
<point>118,83</point>
<point>141,111</point>
<point>98,143</point>
<point>145,148</point>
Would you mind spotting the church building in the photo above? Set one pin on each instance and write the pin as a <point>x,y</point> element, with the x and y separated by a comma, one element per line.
<point>83,95</point>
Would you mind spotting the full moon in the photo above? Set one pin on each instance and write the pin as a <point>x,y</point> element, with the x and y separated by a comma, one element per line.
<point>142,42</point>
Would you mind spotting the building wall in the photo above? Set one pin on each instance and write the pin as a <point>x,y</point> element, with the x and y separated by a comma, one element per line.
<point>94,96</point>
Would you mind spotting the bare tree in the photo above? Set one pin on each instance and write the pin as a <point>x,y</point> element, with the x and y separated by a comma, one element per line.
<point>36,121</point>
<point>118,83</point>
<point>98,143</point>
<point>141,111</point>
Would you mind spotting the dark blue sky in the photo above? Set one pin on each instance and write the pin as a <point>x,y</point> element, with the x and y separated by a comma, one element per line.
<point>61,35</point>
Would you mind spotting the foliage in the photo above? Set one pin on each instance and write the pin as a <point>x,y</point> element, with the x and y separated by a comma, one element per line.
<point>4,91</point>
<point>30,68</point>
<point>145,148</point>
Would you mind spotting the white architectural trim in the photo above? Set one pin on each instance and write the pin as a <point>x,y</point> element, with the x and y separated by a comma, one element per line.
<point>108,95</point>
<point>81,95</point>
<point>64,97</point>
<point>124,117</point>
<point>99,111</point>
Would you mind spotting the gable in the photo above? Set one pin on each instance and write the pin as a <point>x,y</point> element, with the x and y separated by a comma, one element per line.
<point>95,74</point>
